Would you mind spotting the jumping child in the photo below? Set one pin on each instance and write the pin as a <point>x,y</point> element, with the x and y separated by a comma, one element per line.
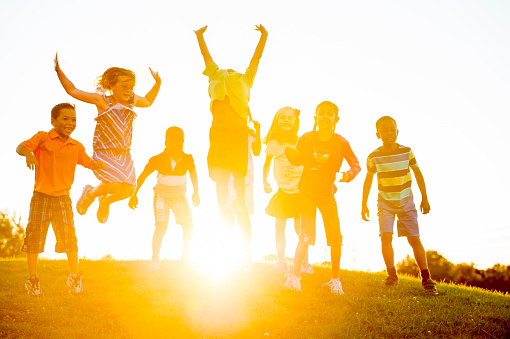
<point>170,192</point>
<point>321,152</point>
<point>391,162</point>
<point>114,100</point>
<point>285,202</point>
<point>54,156</point>
<point>228,153</point>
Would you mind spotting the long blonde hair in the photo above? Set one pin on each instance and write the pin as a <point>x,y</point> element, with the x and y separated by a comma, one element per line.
<point>273,132</point>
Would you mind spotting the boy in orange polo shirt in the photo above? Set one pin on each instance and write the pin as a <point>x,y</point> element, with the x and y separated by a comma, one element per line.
<point>54,156</point>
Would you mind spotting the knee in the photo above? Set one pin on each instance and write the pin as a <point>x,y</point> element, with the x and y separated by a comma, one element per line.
<point>161,227</point>
<point>414,241</point>
<point>128,189</point>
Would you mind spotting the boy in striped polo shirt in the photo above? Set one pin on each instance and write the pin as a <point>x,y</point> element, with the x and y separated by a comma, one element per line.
<point>391,162</point>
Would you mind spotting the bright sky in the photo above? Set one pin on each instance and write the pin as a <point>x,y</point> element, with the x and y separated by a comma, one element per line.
<point>440,68</point>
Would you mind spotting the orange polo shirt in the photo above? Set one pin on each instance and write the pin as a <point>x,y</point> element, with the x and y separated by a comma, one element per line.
<point>57,161</point>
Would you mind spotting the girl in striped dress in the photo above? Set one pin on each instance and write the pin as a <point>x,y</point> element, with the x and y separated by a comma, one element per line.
<point>115,100</point>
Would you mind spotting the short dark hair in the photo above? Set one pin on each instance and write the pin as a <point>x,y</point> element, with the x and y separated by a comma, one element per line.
<point>383,119</point>
<point>55,111</point>
<point>173,132</point>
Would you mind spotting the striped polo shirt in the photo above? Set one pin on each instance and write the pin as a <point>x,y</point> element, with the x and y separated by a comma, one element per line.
<point>393,174</point>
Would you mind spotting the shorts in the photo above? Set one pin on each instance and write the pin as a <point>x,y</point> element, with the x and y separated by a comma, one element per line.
<point>178,205</point>
<point>308,205</point>
<point>407,222</point>
<point>46,209</point>
<point>228,152</point>
<point>283,205</point>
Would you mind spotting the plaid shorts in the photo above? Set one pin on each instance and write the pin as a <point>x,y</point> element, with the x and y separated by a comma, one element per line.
<point>46,209</point>
<point>179,206</point>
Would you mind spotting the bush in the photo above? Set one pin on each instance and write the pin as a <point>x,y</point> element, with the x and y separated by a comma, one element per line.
<point>11,236</point>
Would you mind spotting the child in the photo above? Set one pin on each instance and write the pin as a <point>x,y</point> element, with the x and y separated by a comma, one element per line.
<point>321,153</point>
<point>228,153</point>
<point>112,137</point>
<point>170,191</point>
<point>54,156</point>
<point>391,162</point>
<point>284,203</point>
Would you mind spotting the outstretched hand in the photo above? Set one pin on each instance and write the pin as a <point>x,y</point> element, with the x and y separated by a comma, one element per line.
<point>201,30</point>
<point>31,161</point>
<point>155,75</point>
<point>133,202</point>
<point>259,28</point>
<point>57,66</point>
<point>425,206</point>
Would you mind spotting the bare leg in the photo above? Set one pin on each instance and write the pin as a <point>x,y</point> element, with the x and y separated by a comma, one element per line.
<point>187,238</point>
<point>32,263</point>
<point>301,251</point>
<point>336,252</point>
<point>387,249</point>
<point>114,191</point>
<point>419,252</point>
<point>297,228</point>
<point>221,195</point>
<point>157,239</point>
<point>280,238</point>
<point>241,211</point>
<point>72,257</point>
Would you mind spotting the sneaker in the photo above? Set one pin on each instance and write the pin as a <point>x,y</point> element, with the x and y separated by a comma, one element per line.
<point>306,269</point>
<point>293,282</point>
<point>391,281</point>
<point>154,265</point>
<point>335,286</point>
<point>84,202</point>
<point>74,283</point>
<point>281,267</point>
<point>33,287</point>
<point>103,210</point>
<point>430,286</point>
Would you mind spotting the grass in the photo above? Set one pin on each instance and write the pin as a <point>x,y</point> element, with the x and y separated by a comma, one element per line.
<point>123,299</point>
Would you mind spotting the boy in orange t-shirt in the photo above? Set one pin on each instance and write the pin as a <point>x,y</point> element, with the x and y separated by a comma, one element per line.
<point>54,156</point>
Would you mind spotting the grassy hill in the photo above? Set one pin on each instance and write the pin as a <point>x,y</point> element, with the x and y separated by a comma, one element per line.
<point>124,299</point>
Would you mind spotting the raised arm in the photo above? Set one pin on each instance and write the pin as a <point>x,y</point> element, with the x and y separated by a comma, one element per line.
<point>203,47</point>
<point>254,63</point>
<point>424,205</point>
<point>367,185</point>
<point>265,173</point>
<point>90,98</point>
<point>152,94</point>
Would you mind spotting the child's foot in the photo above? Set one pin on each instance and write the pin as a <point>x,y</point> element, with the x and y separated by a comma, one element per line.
<point>281,267</point>
<point>430,286</point>
<point>154,265</point>
<point>33,287</point>
<point>306,269</point>
<point>74,283</point>
<point>335,286</point>
<point>391,281</point>
<point>293,282</point>
<point>103,210</point>
<point>85,201</point>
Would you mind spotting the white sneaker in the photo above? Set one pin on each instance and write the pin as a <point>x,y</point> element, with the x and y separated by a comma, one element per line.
<point>154,265</point>
<point>335,286</point>
<point>306,269</point>
<point>84,202</point>
<point>293,282</point>
<point>281,267</point>
<point>74,283</point>
<point>33,287</point>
